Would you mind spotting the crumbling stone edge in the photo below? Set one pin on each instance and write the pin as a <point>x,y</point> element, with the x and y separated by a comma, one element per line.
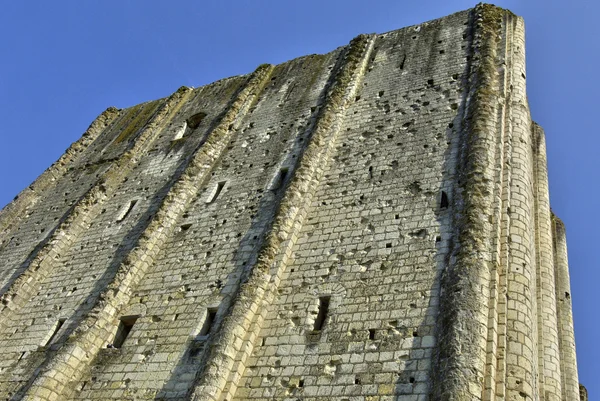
<point>85,210</point>
<point>30,195</point>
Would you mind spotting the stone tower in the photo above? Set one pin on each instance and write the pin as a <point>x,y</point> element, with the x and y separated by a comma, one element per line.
<point>368,224</point>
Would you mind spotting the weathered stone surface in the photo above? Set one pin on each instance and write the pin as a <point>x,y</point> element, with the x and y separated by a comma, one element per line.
<point>368,224</point>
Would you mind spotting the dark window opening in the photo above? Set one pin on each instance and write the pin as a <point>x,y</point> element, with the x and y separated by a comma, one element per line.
<point>371,334</point>
<point>322,315</point>
<point>125,326</point>
<point>217,191</point>
<point>211,314</point>
<point>194,121</point>
<point>356,380</point>
<point>55,330</point>
<point>301,383</point>
<point>567,295</point>
<point>126,211</point>
<point>444,201</point>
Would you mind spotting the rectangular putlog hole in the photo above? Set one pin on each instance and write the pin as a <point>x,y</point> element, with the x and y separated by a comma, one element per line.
<point>371,334</point>
<point>322,315</point>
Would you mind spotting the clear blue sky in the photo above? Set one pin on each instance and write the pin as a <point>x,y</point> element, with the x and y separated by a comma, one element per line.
<point>64,62</point>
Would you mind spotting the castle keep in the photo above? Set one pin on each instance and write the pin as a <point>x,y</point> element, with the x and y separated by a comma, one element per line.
<point>368,224</point>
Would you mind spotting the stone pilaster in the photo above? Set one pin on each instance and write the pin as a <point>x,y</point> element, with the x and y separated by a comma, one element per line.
<point>548,350</point>
<point>566,335</point>
<point>521,361</point>
<point>462,338</point>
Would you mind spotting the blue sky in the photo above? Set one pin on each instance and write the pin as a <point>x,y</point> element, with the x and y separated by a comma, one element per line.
<point>62,63</point>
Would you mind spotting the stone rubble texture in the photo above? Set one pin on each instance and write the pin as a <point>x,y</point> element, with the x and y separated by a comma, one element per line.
<point>399,178</point>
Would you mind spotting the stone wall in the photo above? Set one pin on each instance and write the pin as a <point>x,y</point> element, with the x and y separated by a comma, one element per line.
<point>372,223</point>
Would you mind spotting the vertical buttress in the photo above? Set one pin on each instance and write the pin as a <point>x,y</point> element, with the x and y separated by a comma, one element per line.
<point>548,349</point>
<point>566,335</point>
<point>460,365</point>
<point>246,311</point>
<point>521,361</point>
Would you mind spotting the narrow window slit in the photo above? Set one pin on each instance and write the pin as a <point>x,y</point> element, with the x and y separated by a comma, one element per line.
<point>371,334</point>
<point>216,192</point>
<point>126,211</point>
<point>322,315</point>
<point>211,314</point>
<point>281,177</point>
<point>444,200</point>
<point>57,326</point>
<point>194,121</point>
<point>301,383</point>
<point>125,325</point>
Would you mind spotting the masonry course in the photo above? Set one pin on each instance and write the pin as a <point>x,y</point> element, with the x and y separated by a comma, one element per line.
<point>368,224</point>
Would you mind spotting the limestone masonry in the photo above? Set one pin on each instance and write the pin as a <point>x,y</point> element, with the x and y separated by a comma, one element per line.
<point>368,224</point>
